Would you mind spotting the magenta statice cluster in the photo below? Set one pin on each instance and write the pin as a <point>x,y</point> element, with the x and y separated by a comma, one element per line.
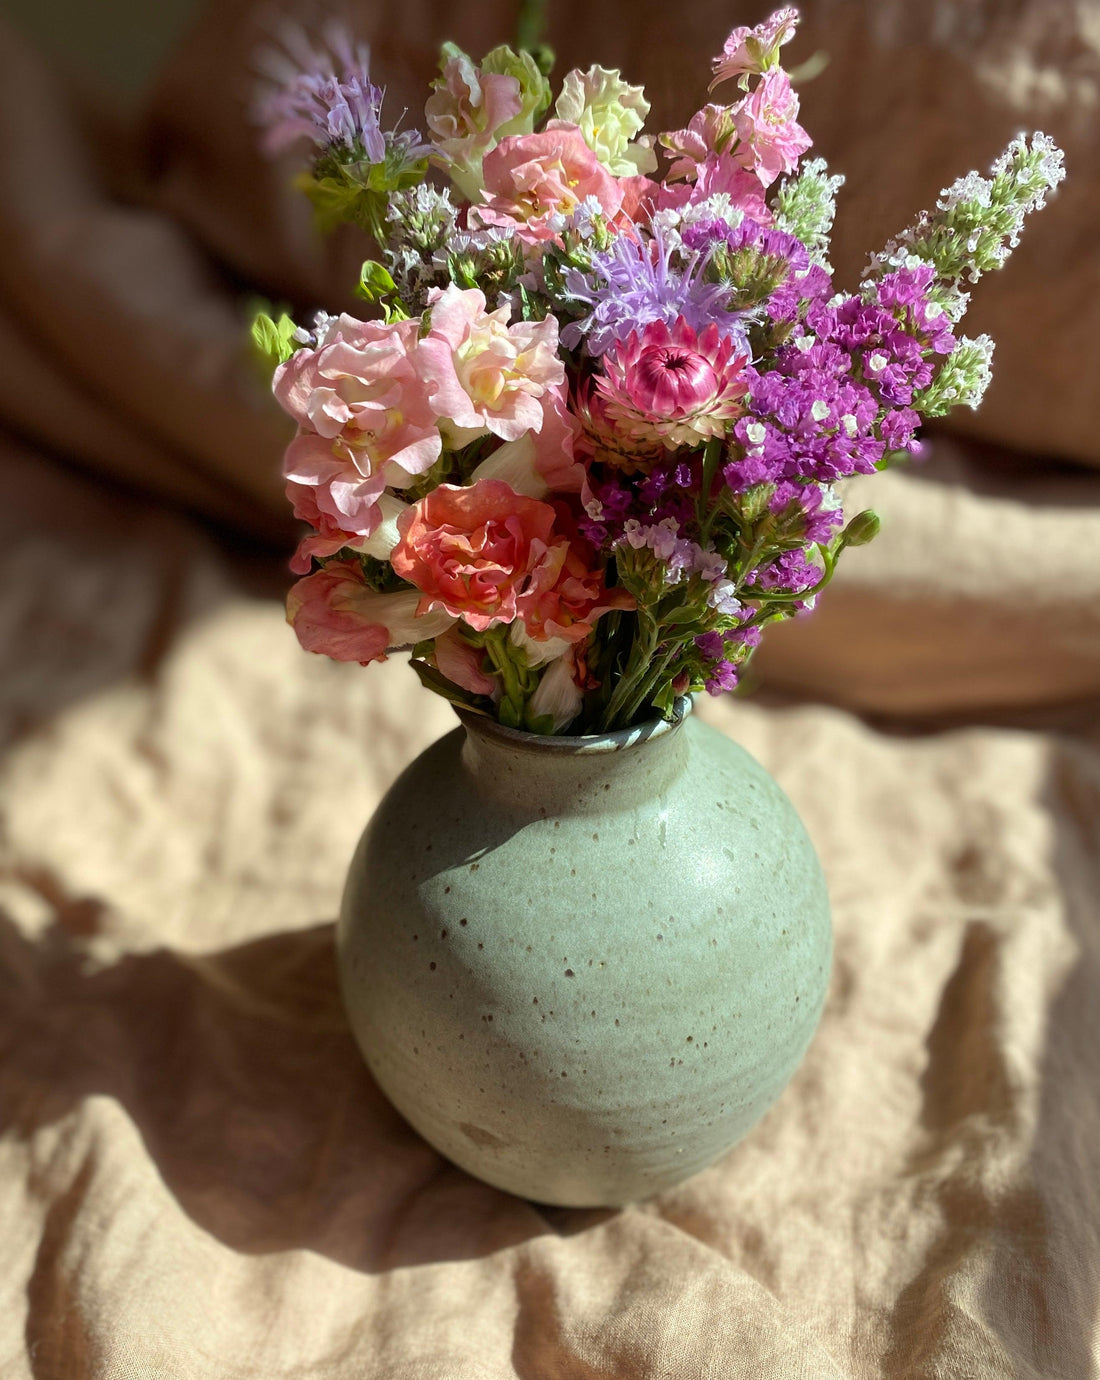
<point>594,428</point>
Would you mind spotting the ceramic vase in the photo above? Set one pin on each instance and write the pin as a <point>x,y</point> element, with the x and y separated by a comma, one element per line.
<point>583,968</point>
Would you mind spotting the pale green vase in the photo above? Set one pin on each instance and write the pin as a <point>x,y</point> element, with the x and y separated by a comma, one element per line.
<point>583,968</point>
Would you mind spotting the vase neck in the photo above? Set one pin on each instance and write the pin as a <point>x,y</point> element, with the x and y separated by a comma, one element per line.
<point>572,776</point>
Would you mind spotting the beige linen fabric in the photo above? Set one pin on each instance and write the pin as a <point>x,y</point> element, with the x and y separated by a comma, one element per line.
<point>197,1176</point>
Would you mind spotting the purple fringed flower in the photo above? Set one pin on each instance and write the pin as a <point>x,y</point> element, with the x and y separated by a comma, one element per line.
<point>633,283</point>
<point>325,95</point>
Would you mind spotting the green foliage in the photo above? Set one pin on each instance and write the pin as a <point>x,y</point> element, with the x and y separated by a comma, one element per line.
<point>273,337</point>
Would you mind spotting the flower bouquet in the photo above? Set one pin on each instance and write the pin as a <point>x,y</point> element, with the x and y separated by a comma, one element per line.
<point>594,436</point>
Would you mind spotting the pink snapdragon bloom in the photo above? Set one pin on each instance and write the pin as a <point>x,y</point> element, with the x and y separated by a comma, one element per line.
<point>754,50</point>
<point>328,537</point>
<point>470,551</point>
<point>364,418</point>
<point>335,613</point>
<point>465,114</point>
<point>542,461</point>
<point>533,179</point>
<point>484,374</point>
<point>671,385</point>
<point>771,141</point>
<point>461,663</point>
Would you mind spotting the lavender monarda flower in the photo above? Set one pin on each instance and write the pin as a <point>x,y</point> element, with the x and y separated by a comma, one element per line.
<point>321,94</point>
<point>635,282</point>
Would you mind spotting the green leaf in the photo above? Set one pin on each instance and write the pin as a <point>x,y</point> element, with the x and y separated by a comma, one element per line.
<point>274,338</point>
<point>375,282</point>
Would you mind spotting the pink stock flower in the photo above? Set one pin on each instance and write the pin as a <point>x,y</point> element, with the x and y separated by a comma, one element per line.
<point>705,153</point>
<point>531,179</point>
<point>471,550</point>
<point>771,141</point>
<point>671,385</point>
<point>364,418</point>
<point>484,374</point>
<point>335,613</point>
<point>755,50</point>
<point>719,175</point>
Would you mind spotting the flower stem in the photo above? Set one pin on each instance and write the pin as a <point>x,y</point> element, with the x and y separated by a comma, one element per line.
<point>530,23</point>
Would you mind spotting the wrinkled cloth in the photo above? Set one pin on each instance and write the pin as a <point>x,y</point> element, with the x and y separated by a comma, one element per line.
<point>198,1177</point>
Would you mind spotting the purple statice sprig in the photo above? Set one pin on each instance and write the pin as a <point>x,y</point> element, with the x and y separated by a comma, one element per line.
<point>838,398</point>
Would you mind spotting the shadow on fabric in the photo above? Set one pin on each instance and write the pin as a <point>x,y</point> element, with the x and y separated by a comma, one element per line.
<point>251,1100</point>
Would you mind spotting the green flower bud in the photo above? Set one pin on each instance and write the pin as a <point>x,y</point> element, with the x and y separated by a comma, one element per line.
<point>274,338</point>
<point>864,527</point>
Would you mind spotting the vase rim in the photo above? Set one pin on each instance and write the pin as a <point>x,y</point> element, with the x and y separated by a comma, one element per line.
<point>587,743</point>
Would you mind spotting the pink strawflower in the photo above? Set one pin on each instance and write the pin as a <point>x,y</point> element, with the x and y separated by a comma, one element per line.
<point>754,50</point>
<point>484,374</point>
<point>471,550</point>
<point>671,385</point>
<point>531,180</point>
<point>335,613</point>
<point>771,141</point>
<point>364,417</point>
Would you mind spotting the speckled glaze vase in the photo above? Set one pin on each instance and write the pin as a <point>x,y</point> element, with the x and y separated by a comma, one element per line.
<point>583,968</point>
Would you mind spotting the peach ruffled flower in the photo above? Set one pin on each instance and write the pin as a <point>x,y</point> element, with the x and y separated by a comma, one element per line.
<point>484,374</point>
<point>334,612</point>
<point>566,594</point>
<point>532,180</point>
<point>364,419</point>
<point>470,551</point>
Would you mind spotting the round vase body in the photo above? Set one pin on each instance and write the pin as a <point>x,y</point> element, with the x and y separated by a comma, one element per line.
<point>583,968</point>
